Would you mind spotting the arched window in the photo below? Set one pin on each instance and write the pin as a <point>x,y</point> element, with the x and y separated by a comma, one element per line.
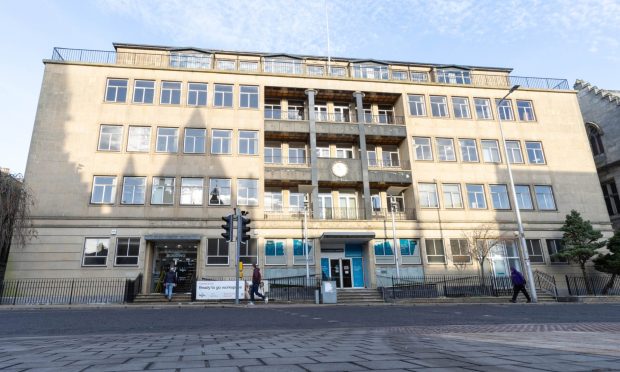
<point>594,136</point>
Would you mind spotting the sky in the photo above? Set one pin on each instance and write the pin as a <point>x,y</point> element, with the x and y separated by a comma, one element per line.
<point>568,39</point>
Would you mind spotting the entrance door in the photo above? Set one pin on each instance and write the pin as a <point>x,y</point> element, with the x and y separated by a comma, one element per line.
<point>180,256</point>
<point>341,272</point>
<point>346,273</point>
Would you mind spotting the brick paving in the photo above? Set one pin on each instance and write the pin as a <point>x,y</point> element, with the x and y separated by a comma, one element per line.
<point>515,347</point>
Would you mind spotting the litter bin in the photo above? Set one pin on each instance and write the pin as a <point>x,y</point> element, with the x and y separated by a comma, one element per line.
<point>328,290</point>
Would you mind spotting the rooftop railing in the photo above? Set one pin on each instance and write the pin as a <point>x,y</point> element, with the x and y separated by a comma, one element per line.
<point>282,67</point>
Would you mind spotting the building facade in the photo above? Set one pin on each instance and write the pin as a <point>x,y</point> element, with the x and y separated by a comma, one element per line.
<point>601,113</point>
<point>137,153</point>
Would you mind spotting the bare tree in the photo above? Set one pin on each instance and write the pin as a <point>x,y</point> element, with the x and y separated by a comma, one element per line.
<point>15,223</point>
<point>480,241</point>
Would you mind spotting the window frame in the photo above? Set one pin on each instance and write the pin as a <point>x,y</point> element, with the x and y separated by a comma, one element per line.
<point>536,193</point>
<point>112,193</point>
<point>224,96</point>
<point>222,141</point>
<point>112,138</point>
<point>450,205</point>
<point>164,187</point>
<point>497,148</point>
<point>170,141</point>
<point>426,196</point>
<point>192,188</point>
<point>528,111</point>
<point>420,107</point>
<point>459,252</point>
<point>519,199</point>
<point>461,108</point>
<point>116,89</point>
<point>194,96</point>
<point>103,241</point>
<point>222,245</point>
<point>405,252</point>
<point>504,193</point>
<point>220,197</point>
<point>138,149</point>
<point>251,193</point>
<point>488,106</point>
<point>427,250</point>
<point>467,159</point>
<point>422,147</point>
<point>280,262</point>
<point>504,109</point>
<point>478,192</point>
<point>250,143</point>
<point>117,255</point>
<point>530,251</point>
<point>249,99</point>
<point>511,152</point>
<point>125,178</point>
<point>439,147</point>
<point>195,140</point>
<point>556,247</point>
<point>536,152</point>
<point>144,90</point>
<point>437,108</point>
<point>171,94</point>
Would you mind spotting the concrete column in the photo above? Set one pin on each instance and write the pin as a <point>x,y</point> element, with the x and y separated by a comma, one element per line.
<point>314,198</point>
<point>363,154</point>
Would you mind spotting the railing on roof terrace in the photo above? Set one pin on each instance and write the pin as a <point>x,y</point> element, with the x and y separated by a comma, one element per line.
<point>197,61</point>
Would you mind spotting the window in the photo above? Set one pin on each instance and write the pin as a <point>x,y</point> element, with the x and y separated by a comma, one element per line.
<point>514,152</point>
<point>226,64</point>
<point>475,195</point>
<point>96,251</point>
<point>299,253</point>
<point>417,106</point>
<point>452,195</point>
<point>483,108</point>
<point>116,90</point>
<point>163,191</point>
<point>460,107</point>
<point>428,195</point>
<point>296,201</point>
<point>143,91</point>
<point>139,139</point>
<point>535,153</point>
<point>453,77</point>
<point>104,190</point>
<point>344,152</point>
<point>316,70</point>
<point>273,200</point>
<point>385,114</point>
<point>217,252</point>
<point>248,253</point>
<point>490,151</point>
<point>296,154</point>
<point>322,151</point>
<point>110,137</point>
<point>370,71</point>
<point>190,60</point>
<point>320,112</point>
<point>499,196</point>
<point>383,248</point>
<point>342,113</point>
<point>194,142</point>
<point>274,252</point>
<point>526,110</point>
<point>248,142</point>
<point>338,71</point>
<point>127,251</point>
<point>555,246</point>
<point>248,66</point>
<point>134,190</point>
<point>390,156</point>
<point>248,96</point>
<point>439,106</point>
<point>612,199</point>
<point>460,251</point>
<point>596,142</point>
<point>534,251</point>
<point>167,140</point>
<point>282,65</point>
<point>524,198</point>
<point>422,147</point>
<point>445,149</point>
<point>371,153</point>
<point>191,191</point>
<point>273,110</point>
<point>197,94</point>
<point>434,251</point>
<point>295,111</point>
<point>223,95</point>
<point>399,75</point>
<point>544,198</point>
<point>273,153</point>
<point>219,191</point>
<point>469,152</point>
<point>409,251</point>
<point>220,141</point>
<point>247,192</point>
<point>505,109</point>
<point>170,93</point>
<point>419,76</point>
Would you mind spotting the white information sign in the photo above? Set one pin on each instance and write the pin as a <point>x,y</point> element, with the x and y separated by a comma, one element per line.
<point>218,290</point>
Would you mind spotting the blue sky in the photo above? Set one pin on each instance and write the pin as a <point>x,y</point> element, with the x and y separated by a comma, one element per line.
<point>567,39</point>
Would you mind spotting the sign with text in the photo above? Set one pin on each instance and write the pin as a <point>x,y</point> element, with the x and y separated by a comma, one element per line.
<point>219,290</point>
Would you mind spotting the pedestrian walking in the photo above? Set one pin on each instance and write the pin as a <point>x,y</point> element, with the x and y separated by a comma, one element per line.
<point>518,285</point>
<point>256,279</point>
<point>170,281</point>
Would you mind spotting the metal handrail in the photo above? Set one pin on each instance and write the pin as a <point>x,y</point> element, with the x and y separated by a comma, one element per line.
<point>546,283</point>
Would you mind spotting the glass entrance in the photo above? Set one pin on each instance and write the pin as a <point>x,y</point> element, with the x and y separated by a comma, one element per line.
<point>341,272</point>
<point>178,255</point>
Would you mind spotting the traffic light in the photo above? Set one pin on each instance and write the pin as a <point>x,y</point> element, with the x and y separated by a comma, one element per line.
<point>228,227</point>
<point>244,227</point>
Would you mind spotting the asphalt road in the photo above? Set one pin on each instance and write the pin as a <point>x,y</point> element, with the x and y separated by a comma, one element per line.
<point>192,319</point>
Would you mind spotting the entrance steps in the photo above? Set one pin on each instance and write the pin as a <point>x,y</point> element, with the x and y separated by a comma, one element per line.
<point>359,296</point>
<point>151,298</point>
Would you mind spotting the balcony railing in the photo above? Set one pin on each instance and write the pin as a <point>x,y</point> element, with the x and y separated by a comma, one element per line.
<point>196,61</point>
<point>295,213</point>
<point>271,160</point>
<point>329,117</point>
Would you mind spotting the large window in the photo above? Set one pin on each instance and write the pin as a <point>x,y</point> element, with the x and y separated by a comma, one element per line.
<point>439,106</point>
<point>104,190</point>
<point>167,140</point>
<point>134,190</point>
<point>453,76</point>
<point>143,91</point>
<point>544,198</point>
<point>524,198</point>
<point>191,191</point>
<point>535,153</point>
<point>483,108</point>
<point>197,94</point>
<point>514,152</point>
<point>534,251</point>
<point>499,196</point>
<point>596,142</point>
<point>194,141</point>
<point>555,246</point>
<point>490,151</point>
<point>110,137</point>
<point>434,251</point>
<point>248,142</point>
<point>417,106</point>
<point>248,96</point>
<point>223,96</point>
<point>460,251</point>
<point>170,93</point>
<point>390,156</point>
<point>526,110</point>
<point>219,191</point>
<point>217,252</point>
<point>139,139</point>
<point>116,90</point>
<point>422,147</point>
<point>410,251</point>
<point>273,153</point>
<point>163,191</point>
<point>475,195</point>
<point>96,251</point>
<point>428,195</point>
<point>247,192</point>
<point>220,141</point>
<point>612,199</point>
<point>299,253</point>
<point>275,252</point>
<point>469,151</point>
<point>273,200</point>
<point>505,109</point>
<point>452,195</point>
<point>445,149</point>
<point>460,107</point>
<point>127,251</point>
<point>296,154</point>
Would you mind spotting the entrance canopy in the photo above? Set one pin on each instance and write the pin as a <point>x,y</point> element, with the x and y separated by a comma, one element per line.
<point>351,237</point>
<point>173,237</point>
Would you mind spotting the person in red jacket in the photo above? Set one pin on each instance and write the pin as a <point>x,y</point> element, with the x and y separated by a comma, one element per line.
<point>256,279</point>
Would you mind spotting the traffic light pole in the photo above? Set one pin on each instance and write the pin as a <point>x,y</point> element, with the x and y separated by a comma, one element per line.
<point>238,251</point>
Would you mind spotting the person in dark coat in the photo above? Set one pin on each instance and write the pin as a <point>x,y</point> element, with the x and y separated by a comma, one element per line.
<point>256,279</point>
<point>518,283</point>
<point>170,281</point>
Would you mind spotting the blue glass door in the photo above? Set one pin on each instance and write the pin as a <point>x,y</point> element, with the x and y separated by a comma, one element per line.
<point>358,272</point>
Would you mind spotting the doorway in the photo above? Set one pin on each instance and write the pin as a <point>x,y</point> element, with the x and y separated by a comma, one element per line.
<point>177,255</point>
<point>341,272</point>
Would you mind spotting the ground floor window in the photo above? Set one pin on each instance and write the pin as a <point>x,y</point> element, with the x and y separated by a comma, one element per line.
<point>434,251</point>
<point>384,254</point>
<point>127,250</point>
<point>217,252</point>
<point>409,251</point>
<point>534,251</point>
<point>299,256</point>
<point>555,246</point>
<point>248,252</point>
<point>460,251</point>
<point>96,251</point>
<point>275,252</point>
